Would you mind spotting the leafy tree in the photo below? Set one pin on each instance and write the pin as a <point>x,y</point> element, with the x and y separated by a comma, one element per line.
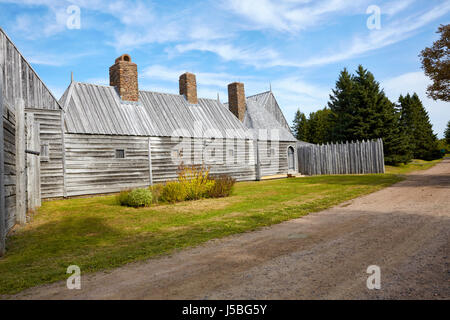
<point>300,126</point>
<point>447,133</point>
<point>436,64</point>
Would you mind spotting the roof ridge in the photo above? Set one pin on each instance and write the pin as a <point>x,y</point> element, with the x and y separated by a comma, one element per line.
<point>259,94</point>
<point>144,91</point>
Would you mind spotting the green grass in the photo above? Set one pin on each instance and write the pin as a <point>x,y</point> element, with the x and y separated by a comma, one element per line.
<point>98,234</point>
<point>414,165</point>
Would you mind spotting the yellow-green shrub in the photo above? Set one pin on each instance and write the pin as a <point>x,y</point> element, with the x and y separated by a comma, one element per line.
<point>135,198</point>
<point>122,198</point>
<point>156,192</point>
<point>195,180</point>
<point>173,192</point>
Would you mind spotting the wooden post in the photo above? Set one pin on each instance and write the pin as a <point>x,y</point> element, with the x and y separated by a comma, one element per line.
<point>37,165</point>
<point>2,174</point>
<point>21,210</point>
<point>258,160</point>
<point>63,153</point>
<point>31,192</point>
<point>150,167</point>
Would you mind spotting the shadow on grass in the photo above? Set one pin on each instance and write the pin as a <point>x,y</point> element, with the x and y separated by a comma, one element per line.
<point>350,180</point>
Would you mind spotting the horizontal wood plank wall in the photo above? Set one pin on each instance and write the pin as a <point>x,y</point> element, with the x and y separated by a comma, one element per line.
<point>9,154</point>
<point>276,161</point>
<point>363,157</point>
<point>20,80</point>
<point>213,153</point>
<point>92,167</point>
<point>52,172</point>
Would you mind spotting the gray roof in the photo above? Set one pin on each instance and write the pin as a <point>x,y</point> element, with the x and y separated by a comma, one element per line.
<point>94,109</point>
<point>263,114</point>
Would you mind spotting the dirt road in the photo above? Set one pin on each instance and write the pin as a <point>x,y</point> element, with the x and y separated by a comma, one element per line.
<point>403,229</point>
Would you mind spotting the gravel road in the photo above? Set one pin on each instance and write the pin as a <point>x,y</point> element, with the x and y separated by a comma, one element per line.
<point>403,229</point>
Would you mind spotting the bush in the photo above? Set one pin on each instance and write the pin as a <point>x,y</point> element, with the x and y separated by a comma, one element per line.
<point>173,192</point>
<point>135,198</point>
<point>122,198</point>
<point>222,187</point>
<point>195,180</point>
<point>156,191</point>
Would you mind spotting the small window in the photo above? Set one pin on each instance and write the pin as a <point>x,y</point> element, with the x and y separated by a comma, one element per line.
<point>45,151</point>
<point>120,154</point>
<point>213,152</point>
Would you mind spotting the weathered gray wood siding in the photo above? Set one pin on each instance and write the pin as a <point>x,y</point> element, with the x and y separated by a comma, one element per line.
<point>2,177</point>
<point>92,167</point>
<point>274,157</point>
<point>20,80</point>
<point>363,157</point>
<point>9,154</point>
<point>52,174</point>
<point>215,154</point>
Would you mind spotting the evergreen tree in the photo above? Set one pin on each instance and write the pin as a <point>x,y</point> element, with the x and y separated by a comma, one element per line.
<point>319,126</point>
<point>416,122</point>
<point>300,126</point>
<point>361,111</point>
<point>341,105</point>
<point>447,133</point>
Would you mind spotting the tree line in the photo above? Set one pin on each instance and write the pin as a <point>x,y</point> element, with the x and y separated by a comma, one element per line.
<point>358,109</point>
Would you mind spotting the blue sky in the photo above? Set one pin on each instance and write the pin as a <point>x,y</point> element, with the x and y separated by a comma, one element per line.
<point>296,46</point>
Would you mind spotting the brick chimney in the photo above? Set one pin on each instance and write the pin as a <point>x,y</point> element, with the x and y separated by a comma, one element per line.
<point>188,87</point>
<point>124,76</point>
<point>236,99</point>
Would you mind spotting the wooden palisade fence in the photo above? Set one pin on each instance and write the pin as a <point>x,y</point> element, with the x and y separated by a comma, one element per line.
<point>342,158</point>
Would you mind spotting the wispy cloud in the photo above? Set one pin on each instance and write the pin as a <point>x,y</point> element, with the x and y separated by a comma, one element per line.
<point>290,15</point>
<point>376,39</point>
<point>207,79</point>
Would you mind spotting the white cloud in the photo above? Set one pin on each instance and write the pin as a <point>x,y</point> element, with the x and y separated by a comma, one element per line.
<point>411,82</point>
<point>228,52</point>
<point>392,8</point>
<point>376,39</point>
<point>207,79</point>
<point>290,15</point>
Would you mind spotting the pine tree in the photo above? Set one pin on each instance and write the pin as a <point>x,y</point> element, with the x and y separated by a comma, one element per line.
<point>416,122</point>
<point>320,126</point>
<point>341,105</point>
<point>300,126</point>
<point>447,133</point>
<point>362,111</point>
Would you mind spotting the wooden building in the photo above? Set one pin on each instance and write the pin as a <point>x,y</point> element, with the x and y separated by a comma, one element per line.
<point>103,139</point>
<point>30,115</point>
<point>116,139</point>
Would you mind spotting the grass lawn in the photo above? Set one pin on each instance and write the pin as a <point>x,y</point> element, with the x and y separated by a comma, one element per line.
<point>414,165</point>
<point>98,234</point>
